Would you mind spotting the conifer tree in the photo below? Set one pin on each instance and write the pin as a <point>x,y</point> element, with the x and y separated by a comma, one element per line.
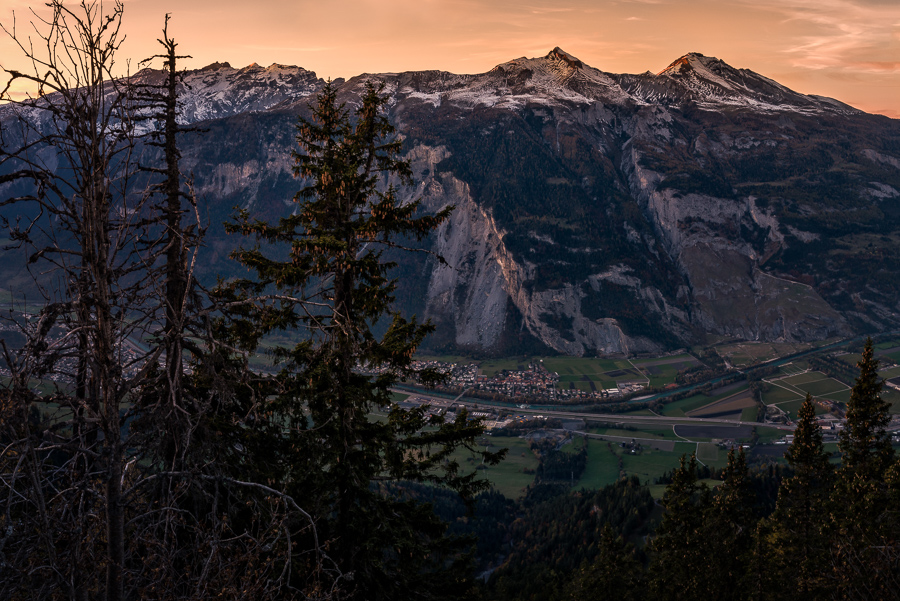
<point>614,574</point>
<point>334,286</point>
<point>865,444</point>
<point>729,528</point>
<point>680,551</point>
<point>864,565</point>
<point>798,540</point>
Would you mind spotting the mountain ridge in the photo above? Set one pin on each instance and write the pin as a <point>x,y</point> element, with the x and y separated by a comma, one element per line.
<point>687,78</point>
<point>596,213</point>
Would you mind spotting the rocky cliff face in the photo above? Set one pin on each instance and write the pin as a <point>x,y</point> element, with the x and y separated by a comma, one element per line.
<point>596,212</point>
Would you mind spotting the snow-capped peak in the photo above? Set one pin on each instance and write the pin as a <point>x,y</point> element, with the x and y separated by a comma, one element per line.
<point>707,80</point>
<point>707,67</point>
<point>561,55</point>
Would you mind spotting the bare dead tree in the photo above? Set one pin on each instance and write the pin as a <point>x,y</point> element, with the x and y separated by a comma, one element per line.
<point>87,242</point>
<point>105,493</point>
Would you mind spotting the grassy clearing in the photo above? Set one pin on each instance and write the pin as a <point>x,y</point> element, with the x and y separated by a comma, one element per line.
<point>707,452</point>
<point>652,464</point>
<point>509,476</point>
<point>603,463</point>
<point>750,414</point>
<point>602,466</point>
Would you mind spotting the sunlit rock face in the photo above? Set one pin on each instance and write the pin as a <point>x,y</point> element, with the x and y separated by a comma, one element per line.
<point>596,213</point>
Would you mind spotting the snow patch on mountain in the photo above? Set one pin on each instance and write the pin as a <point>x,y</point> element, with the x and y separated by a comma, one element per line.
<point>219,90</point>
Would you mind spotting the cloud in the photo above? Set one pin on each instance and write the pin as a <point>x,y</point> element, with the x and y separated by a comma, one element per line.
<point>544,10</point>
<point>838,34</point>
<point>878,66</point>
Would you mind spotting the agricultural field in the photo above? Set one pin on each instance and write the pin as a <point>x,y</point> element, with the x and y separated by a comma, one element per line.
<point>679,407</point>
<point>888,350</point>
<point>750,414</point>
<point>891,372</point>
<point>850,359</point>
<point>588,374</point>
<point>662,371</point>
<point>648,432</point>
<point>492,367</point>
<point>685,407</point>
<point>745,354</point>
<point>788,391</point>
<point>793,368</point>
<point>731,407</point>
<point>707,432</point>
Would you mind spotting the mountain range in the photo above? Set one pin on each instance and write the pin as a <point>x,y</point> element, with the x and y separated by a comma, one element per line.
<point>596,213</point>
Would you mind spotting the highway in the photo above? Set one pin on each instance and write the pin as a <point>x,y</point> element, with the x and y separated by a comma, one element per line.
<point>616,418</point>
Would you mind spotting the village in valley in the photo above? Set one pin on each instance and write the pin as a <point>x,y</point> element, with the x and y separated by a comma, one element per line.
<point>643,413</point>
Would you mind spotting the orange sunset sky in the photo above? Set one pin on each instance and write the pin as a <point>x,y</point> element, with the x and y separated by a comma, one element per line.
<point>846,49</point>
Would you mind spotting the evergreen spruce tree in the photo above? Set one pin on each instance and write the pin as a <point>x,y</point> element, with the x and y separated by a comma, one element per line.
<point>614,574</point>
<point>334,285</point>
<point>799,541</point>
<point>865,443</point>
<point>864,566</point>
<point>729,530</point>
<point>680,551</point>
